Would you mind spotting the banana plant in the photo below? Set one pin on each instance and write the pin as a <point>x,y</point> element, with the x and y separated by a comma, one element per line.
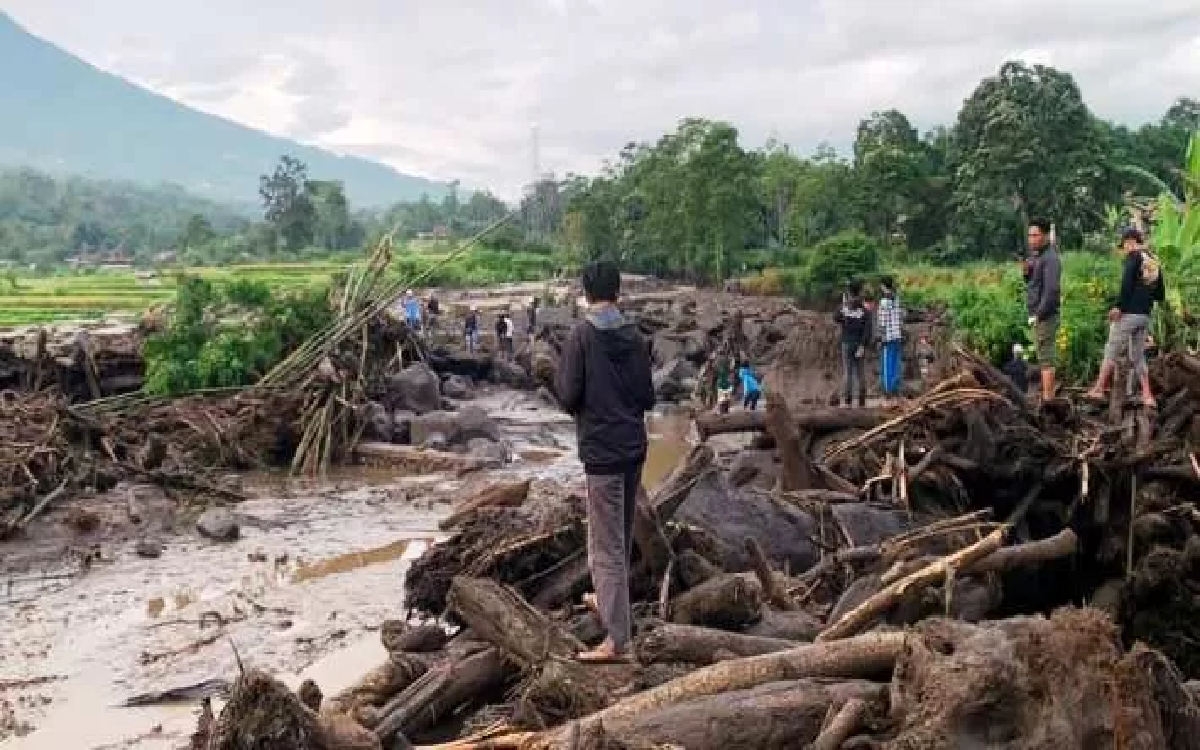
<point>1175,239</point>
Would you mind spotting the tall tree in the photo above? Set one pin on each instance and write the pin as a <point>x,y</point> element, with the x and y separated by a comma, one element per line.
<point>287,204</point>
<point>1024,145</point>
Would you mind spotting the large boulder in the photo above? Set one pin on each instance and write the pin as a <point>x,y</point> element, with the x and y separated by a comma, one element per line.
<point>415,388</point>
<point>443,424</point>
<point>377,423</point>
<point>474,422</point>
<point>665,349</point>
<point>670,379</point>
<point>457,387</point>
<point>510,374</point>
<point>731,515</point>
<point>492,451</point>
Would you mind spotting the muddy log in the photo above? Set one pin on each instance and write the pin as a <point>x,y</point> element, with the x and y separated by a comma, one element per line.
<point>493,496</point>
<point>848,720</point>
<point>698,645</point>
<point>814,422</point>
<point>773,588</point>
<point>558,686</point>
<point>867,656</point>
<point>441,691</point>
<point>498,615</point>
<point>776,716</point>
<point>729,601</point>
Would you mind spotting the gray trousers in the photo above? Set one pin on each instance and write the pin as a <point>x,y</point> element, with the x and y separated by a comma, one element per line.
<point>1128,335</point>
<point>611,505</point>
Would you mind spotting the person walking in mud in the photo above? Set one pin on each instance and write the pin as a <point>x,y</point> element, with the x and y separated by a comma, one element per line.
<point>1129,319</point>
<point>604,382</point>
<point>855,322</point>
<point>1043,297</point>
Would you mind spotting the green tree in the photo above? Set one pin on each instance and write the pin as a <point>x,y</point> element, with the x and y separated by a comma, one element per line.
<point>1024,145</point>
<point>287,203</point>
<point>197,233</point>
<point>890,167</point>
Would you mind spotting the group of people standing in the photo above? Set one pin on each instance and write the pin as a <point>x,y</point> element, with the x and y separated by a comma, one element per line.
<point>423,319</point>
<point>724,375</point>
<point>859,319</point>
<point>1142,286</point>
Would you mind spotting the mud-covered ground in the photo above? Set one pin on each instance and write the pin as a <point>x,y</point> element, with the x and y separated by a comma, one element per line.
<point>86,622</point>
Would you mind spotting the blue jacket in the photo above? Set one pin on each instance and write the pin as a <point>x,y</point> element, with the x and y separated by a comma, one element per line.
<point>412,310</point>
<point>749,382</point>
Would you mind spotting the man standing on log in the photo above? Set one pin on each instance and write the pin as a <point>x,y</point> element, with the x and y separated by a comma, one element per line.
<point>604,382</point>
<point>1129,319</point>
<point>1043,276</point>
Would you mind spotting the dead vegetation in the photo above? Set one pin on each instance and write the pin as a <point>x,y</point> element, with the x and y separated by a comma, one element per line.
<point>970,572</point>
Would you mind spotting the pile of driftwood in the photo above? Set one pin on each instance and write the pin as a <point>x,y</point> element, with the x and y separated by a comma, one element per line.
<point>868,579</point>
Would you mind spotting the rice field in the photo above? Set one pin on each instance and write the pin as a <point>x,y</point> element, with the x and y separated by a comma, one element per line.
<point>103,294</point>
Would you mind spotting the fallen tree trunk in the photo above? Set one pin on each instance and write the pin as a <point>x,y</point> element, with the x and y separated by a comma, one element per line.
<point>494,496</point>
<point>499,616</point>
<point>815,421</point>
<point>416,460</point>
<point>729,601</point>
<point>776,716</point>
<point>440,692</point>
<point>698,645</point>
<point>866,656</point>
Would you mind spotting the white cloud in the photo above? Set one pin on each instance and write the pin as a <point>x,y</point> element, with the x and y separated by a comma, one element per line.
<point>450,88</point>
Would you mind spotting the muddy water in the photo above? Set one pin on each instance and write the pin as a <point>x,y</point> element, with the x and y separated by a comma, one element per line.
<point>299,594</point>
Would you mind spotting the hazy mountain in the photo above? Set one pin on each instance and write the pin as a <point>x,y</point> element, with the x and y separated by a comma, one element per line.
<point>61,114</point>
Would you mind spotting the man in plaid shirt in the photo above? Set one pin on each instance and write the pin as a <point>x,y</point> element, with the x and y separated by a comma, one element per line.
<point>890,319</point>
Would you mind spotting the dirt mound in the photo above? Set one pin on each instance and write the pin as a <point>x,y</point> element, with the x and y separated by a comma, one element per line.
<point>1027,682</point>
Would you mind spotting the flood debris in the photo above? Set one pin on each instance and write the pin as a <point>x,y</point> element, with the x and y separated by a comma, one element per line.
<point>931,589</point>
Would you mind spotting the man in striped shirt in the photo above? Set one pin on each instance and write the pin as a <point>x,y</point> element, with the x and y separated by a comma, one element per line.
<point>891,333</point>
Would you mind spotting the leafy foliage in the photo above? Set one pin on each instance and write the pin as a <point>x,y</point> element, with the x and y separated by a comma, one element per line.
<point>229,335</point>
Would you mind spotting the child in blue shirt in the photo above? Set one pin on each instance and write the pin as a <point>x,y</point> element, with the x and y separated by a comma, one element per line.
<point>750,387</point>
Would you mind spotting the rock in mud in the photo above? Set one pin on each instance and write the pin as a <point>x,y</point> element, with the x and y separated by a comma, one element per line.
<point>474,422</point>
<point>442,423</point>
<point>754,468</point>
<point>665,349</point>
<point>378,423</point>
<point>83,520</point>
<point>218,524</point>
<point>457,387</point>
<point>731,515</point>
<point>510,374</point>
<point>415,388</point>
<point>148,548</point>
<point>402,420</point>
<point>669,379</point>
<point>489,450</point>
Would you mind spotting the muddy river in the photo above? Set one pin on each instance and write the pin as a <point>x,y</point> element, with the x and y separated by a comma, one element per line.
<point>86,623</point>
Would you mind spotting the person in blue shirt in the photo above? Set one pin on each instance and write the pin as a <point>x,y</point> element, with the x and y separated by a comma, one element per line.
<point>751,390</point>
<point>412,311</point>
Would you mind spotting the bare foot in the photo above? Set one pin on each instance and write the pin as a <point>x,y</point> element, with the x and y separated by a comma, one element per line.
<point>605,653</point>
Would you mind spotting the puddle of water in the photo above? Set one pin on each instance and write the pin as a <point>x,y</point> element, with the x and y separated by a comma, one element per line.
<point>349,561</point>
<point>668,442</point>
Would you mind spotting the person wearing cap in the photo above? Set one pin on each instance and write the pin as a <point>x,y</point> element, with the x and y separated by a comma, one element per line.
<point>1129,319</point>
<point>1017,369</point>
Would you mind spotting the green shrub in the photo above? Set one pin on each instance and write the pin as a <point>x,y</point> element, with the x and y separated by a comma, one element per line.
<point>833,262</point>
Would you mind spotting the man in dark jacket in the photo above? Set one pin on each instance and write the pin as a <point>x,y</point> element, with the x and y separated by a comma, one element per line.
<point>1043,296</point>
<point>604,382</point>
<point>855,320</point>
<point>1129,319</point>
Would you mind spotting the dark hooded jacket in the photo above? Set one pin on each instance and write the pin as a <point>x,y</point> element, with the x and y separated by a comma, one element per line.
<point>604,382</point>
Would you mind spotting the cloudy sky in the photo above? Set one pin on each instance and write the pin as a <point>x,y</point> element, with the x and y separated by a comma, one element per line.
<point>451,88</point>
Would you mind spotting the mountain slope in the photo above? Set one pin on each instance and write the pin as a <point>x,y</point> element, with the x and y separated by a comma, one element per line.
<point>61,114</point>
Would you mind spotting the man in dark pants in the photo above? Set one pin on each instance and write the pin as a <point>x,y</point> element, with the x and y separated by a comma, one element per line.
<point>604,382</point>
<point>855,322</point>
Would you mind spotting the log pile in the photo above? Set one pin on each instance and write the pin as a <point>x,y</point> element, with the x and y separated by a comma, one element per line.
<point>971,572</point>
